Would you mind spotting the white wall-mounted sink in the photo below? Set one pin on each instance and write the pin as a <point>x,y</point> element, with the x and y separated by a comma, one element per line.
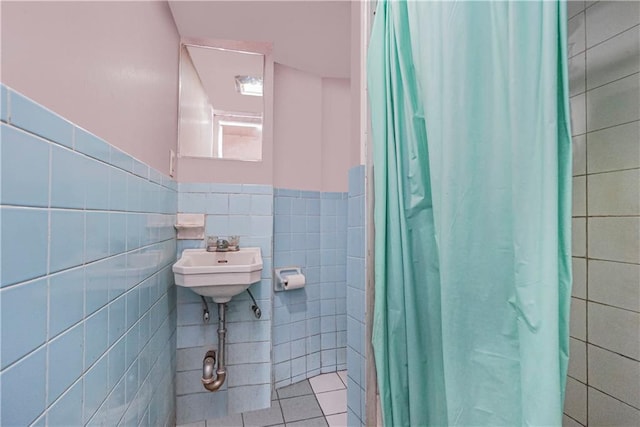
<point>220,275</point>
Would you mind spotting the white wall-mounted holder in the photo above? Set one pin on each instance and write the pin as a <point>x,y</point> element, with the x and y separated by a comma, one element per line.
<point>190,226</point>
<point>288,278</point>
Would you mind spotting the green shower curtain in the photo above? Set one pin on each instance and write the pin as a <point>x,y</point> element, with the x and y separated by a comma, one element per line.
<point>472,170</point>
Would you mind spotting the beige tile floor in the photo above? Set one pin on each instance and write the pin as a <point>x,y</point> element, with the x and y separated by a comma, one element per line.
<point>320,401</point>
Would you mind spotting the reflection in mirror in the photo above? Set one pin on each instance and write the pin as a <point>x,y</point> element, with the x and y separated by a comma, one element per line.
<point>221,106</point>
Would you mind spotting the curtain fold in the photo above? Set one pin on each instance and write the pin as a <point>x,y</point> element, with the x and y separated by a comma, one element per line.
<point>472,176</point>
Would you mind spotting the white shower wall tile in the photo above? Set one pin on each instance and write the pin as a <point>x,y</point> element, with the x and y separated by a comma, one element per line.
<point>614,103</point>
<point>578,322</point>
<point>614,193</point>
<point>607,274</point>
<point>611,327</point>
<point>575,35</point>
<point>578,74</point>
<point>614,374</point>
<point>579,288</point>
<point>624,49</point>
<point>578,114</point>
<point>604,410</point>
<point>615,148</point>
<point>578,360</point>
<point>578,235</point>
<point>606,19</point>
<point>576,403</point>
<point>614,238</point>
<point>615,284</point>
<point>579,196</point>
<point>579,144</point>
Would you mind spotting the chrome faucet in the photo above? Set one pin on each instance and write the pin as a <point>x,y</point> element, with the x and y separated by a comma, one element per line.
<point>214,244</point>
<point>222,245</point>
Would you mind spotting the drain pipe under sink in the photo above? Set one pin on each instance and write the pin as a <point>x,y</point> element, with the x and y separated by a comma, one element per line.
<point>208,381</point>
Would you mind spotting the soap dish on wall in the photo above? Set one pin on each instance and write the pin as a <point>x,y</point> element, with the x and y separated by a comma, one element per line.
<point>190,226</point>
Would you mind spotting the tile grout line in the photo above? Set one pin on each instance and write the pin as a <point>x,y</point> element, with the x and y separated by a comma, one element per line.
<point>609,305</point>
<point>280,406</point>
<point>605,40</point>
<point>611,396</point>
<point>587,48</point>
<point>586,212</point>
<point>587,90</point>
<point>608,350</point>
<point>570,417</point>
<point>48,285</point>
<point>320,406</point>
<point>606,172</point>
<point>603,128</point>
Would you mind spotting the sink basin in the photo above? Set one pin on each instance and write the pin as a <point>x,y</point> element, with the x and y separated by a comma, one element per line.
<point>219,275</point>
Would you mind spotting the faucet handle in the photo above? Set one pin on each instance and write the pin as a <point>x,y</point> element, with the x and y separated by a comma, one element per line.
<point>234,241</point>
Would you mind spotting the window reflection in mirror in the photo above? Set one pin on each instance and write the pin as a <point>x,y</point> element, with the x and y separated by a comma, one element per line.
<point>221,103</point>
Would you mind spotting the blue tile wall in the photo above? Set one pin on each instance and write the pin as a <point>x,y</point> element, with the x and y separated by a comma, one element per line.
<point>29,259</point>
<point>231,209</point>
<point>309,324</point>
<point>87,302</point>
<point>26,159</point>
<point>36,119</point>
<point>356,355</point>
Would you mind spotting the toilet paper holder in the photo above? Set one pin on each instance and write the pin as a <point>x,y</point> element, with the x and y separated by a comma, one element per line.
<point>281,276</point>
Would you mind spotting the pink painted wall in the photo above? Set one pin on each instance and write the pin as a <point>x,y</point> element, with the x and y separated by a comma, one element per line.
<point>358,130</point>
<point>311,142</point>
<point>336,134</point>
<point>297,129</point>
<point>110,67</point>
<point>312,122</point>
<point>311,36</point>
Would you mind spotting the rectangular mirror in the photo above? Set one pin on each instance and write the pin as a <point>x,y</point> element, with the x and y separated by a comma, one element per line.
<point>221,103</point>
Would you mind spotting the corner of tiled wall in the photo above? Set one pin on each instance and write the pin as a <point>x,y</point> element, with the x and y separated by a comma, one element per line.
<point>356,355</point>
<point>310,323</point>
<point>231,209</point>
<point>603,387</point>
<point>87,300</point>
